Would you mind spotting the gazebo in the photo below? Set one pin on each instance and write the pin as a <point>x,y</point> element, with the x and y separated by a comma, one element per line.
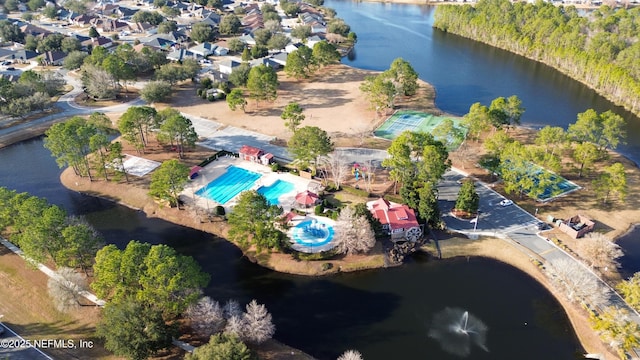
<point>307,198</point>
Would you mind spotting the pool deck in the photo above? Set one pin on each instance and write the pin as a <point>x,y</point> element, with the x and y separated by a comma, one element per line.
<point>216,168</point>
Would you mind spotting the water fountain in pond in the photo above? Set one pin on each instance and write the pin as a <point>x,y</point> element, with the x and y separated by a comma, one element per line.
<point>456,330</point>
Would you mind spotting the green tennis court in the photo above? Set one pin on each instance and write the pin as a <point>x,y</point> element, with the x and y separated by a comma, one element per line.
<point>404,120</point>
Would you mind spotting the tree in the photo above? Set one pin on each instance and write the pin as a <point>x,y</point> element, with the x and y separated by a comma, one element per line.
<point>604,130</point>
<point>69,143</point>
<point>50,12</point>
<point>167,26</point>
<point>11,5</point>
<point>236,45</point>
<point>477,120</point>
<point>585,154</point>
<point>338,26</point>
<point>262,83</point>
<point>35,4</point>
<point>337,166</point>
<point>616,326</point>
<point>551,138</point>
<point>254,222</point>
<point>201,32</point>
<point>417,156</point>
<point>300,63</point>
<point>308,144</point>
<point>291,9</point>
<point>612,181</point>
<point>258,51</point>
<point>577,284</point>
<point>301,32</point>
<point>150,17</point>
<point>52,42</point>
<point>325,53</point>
<point>135,124</point>
<point>117,67</point>
<point>133,330</point>
<point>98,82</point>
<point>79,244</point>
<point>10,32</point>
<point>277,41</point>
<point>222,347</point>
<point>236,98</point>
<point>630,290</point>
<point>293,116</point>
<point>168,181</point>
<point>448,133</point>
<point>468,199</point>
<point>229,25</point>
<point>262,36</point>
<point>155,276</point>
<point>379,91</point>
<point>74,60</point>
<point>179,130</point>
<point>206,316</point>
<point>240,75</point>
<point>155,91</point>
<point>353,233</point>
<point>259,325</point>
<point>350,355</point>
<point>93,33</point>
<point>66,288</point>
<point>170,12</point>
<point>116,157</point>
<point>600,251</point>
<point>404,76</point>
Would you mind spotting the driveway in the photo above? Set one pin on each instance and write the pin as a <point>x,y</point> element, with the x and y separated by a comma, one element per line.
<point>9,350</point>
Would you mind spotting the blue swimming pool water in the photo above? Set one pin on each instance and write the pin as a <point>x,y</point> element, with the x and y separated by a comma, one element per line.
<point>275,190</point>
<point>229,184</point>
<point>313,233</point>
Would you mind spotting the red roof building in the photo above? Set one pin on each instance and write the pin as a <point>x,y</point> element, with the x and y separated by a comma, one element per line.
<point>253,154</point>
<point>398,220</point>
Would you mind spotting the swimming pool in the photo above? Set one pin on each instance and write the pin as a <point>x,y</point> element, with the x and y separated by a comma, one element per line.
<point>275,190</point>
<point>225,187</point>
<point>313,233</point>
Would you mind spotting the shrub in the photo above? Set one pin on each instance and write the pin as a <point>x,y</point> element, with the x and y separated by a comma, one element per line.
<point>327,266</point>
<point>219,210</point>
<point>199,92</point>
<point>319,209</point>
<point>275,167</point>
<point>211,97</point>
<point>206,83</point>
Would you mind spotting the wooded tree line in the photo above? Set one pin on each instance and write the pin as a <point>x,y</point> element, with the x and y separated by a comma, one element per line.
<point>45,232</point>
<point>600,48</point>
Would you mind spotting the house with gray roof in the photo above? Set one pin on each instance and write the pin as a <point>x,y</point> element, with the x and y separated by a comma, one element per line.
<point>181,54</point>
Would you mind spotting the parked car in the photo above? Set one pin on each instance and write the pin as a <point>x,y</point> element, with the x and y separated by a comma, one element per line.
<point>506,202</point>
<point>10,68</point>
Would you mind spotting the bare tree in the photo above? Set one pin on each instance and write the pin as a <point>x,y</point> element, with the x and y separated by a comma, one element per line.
<point>600,251</point>
<point>259,326</point>
<point>236,326</point>
<point>66,289</point>
<point>353,233</point>
<point>336,165</point>
<point>207,317</point>
<point>231,308</point>
<point>368,174</point>
<point>577,283</point>
<point>351,355</point>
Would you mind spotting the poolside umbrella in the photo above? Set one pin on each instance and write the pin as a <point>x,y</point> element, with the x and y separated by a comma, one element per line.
<point>307,198</point>
<point>194,172</point>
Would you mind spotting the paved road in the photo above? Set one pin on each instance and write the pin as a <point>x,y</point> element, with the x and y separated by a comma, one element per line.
<point>12,346</point>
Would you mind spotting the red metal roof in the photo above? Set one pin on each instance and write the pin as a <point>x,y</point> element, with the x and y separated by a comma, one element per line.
<point>397,216</point>
<point>250,150</point>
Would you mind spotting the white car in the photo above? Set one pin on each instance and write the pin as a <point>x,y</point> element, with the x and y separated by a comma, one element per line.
<point>506,202</point>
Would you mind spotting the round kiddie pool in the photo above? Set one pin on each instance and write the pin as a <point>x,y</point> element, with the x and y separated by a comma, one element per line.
<point>313,235</point>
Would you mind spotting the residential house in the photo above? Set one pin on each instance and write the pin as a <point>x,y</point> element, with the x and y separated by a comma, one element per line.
<point>99,41</point>
<point>312,40</point>
<point>265,61</point>
<point>144,28</point>
<point>125,12</point>
<point>84,20</point>
<point>247,39</point>
<point>293,47</point>
<point>398,220</point>
<point>280,58</point>
<point>113,25</point>
<point>53,58</point>
<point>205,49</point>
<point>23,56</point>
<point>158,43</point>
<point>227,66</point>
<point>318,28</point>
<point>181,54</point>
<point>33,30</point>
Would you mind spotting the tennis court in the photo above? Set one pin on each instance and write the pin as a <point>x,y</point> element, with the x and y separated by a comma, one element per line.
<point>553,184</point>
<point>404,120</point>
